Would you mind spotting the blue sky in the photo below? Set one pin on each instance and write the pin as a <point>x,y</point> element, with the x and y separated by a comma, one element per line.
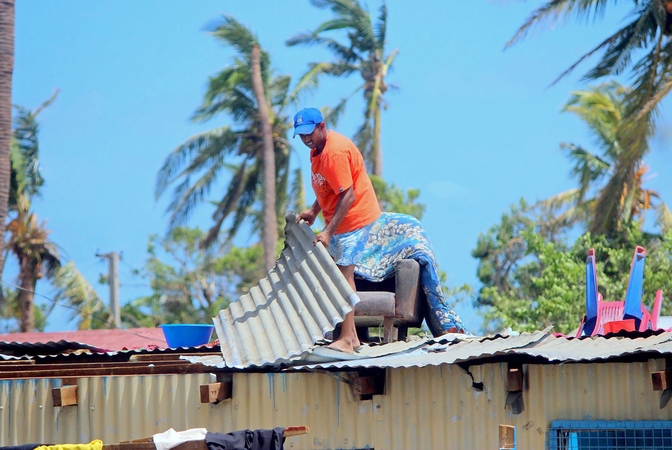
<point>474,127</point>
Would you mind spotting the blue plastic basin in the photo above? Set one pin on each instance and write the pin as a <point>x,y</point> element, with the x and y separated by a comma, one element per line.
<point>187,335</point>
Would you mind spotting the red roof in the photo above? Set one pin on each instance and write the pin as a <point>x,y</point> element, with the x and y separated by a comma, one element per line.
<point>114,339</point>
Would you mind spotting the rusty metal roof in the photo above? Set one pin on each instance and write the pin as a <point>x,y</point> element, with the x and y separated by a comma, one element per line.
<point>104,340</point>
<point>303,297</point>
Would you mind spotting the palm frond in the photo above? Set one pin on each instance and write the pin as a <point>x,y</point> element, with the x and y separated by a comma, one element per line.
<point>187,197</point>
<point>559,201</point>
<point>227,204</point>
<point>381,26</point>
<point>601,107</point>
<point>629,39</point>
<point>250,193</point>
<point>663,217</point>
<point>620,35</point>
<point>233,33</point>
<point>557,9</point>
<point>308,82</point>
<point>223,138</point>
<point>332,115</point>
<point>297,192</point>
<point>73,288</point>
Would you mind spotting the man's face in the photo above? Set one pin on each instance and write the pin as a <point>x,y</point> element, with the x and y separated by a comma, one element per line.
<point>315,139</point>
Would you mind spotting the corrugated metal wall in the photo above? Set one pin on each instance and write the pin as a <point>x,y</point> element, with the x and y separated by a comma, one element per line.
<point>426,408</point>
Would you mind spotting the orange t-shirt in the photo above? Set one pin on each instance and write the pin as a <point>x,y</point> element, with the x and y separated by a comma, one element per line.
<point>339,166</point>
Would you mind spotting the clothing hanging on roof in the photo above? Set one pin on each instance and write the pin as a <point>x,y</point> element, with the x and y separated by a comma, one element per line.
<point>247,439</point>
<point>397,236</point>
<point>171,438</point>
<point>96,444</point>
<point>21,447</point>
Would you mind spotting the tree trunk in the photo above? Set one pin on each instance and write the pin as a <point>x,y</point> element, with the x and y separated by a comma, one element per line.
<point>27,280</point>
<point>6,70</point>
<point>377,150</point>
<point>270,235</point>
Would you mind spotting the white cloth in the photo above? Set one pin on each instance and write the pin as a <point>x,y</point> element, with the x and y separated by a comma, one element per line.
<point>171,438</point>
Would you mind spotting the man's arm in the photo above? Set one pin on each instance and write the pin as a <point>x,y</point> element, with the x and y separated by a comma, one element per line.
<point>345,201</point>
<point>310,214</point>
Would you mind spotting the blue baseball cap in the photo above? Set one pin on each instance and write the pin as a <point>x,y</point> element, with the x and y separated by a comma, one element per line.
<point>306,119</point>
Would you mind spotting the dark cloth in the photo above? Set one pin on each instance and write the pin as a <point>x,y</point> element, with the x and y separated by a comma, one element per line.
<point>21,447</point>
<point>247,440</point>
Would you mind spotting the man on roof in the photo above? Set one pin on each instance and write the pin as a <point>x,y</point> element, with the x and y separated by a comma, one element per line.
<point>362,240</point>
<point>345,196</point>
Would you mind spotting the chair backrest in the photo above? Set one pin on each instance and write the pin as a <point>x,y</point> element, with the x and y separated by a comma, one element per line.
<point>633,296</point>
<point>609,312</point>
<point>655,311</point>
<point>591,286</point>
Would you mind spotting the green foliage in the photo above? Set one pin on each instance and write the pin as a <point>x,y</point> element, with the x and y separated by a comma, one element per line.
<point>10,313</point>
<point>191,284</point>
<point>531,282</point>
<point>394,199</point>
<point>87,307</point>
<point>639,51</point>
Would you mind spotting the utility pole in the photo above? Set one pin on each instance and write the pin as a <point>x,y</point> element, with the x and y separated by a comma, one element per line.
<point>113,281</point>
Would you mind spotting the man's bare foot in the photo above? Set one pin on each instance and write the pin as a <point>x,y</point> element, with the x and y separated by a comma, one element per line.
<point>355,340</point>
<point>346,346</point>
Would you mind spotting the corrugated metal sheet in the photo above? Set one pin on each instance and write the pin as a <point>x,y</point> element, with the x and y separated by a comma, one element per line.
<point>559,349</point>
<point>435,354</point>
<point>299,300</point>
<point>101,340</point>
<point>112,409</point>
<point>435,407</point>
<point>44,348</point>
<point>537,344</point>
<point>366,351</point>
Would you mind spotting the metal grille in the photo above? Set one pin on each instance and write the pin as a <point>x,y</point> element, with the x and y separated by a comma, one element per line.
<point>609,435</point>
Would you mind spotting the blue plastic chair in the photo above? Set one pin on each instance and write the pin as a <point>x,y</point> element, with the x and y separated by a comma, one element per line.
<point>633,296</point>
<point>591,295</point>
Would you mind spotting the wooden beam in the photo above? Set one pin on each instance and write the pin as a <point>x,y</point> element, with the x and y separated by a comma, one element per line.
<point>159,357</point>
<point>296,431</point>
<point>215,392</point>
<point>661,380</point>
<point>507,436</point>
<point>129,369</point>
<point>514,378</point>
<point>64,396</point>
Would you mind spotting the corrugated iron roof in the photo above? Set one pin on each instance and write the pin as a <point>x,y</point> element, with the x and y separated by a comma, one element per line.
<point>55,342</point>
<point>540,344</point>
<point>303,297</point>
<point>438,352</point>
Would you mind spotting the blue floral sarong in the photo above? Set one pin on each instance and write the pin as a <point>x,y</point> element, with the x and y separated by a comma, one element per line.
<point>399,236</point>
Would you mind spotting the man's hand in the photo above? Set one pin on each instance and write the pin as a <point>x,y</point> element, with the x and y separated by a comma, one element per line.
<point>308,215</point>
<point>323,237</point>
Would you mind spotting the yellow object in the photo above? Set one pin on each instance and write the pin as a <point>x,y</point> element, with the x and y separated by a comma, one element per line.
<point>96,444</point>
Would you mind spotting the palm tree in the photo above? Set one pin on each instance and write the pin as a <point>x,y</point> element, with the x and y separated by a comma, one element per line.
<point>194,167</point>
<point>29,240</point>
<point>646,33</point>
<point>6,69</point>
<point>364,53</point>
<point>270,240</point>
<point>602,109</point>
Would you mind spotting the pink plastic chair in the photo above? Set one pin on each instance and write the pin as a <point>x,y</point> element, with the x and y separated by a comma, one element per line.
<point>613,311</point>
<point>616,310</point>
